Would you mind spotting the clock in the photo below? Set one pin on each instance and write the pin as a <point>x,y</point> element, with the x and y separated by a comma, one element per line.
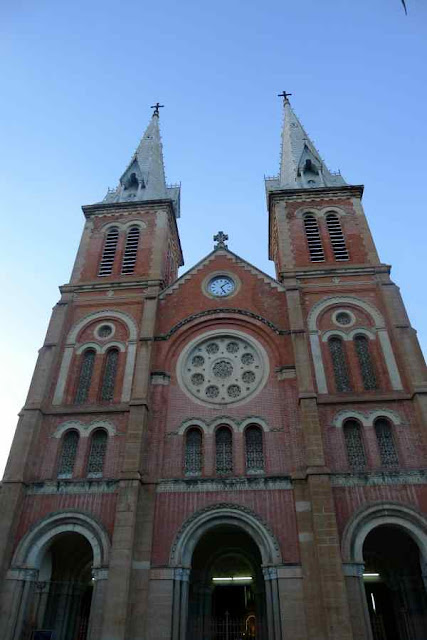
<point>221,286</point>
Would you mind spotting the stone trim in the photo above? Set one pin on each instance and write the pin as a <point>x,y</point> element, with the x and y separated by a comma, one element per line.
<point>379,478</point>
<point>207,485</point>
<point>208,427</point>
<point>366,418</point>
<point>68,487</point>
<point>348,336</point>
<point>84,428</point>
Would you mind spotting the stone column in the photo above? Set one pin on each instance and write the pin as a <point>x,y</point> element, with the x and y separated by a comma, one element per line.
<point>16,600</point>
<point>359,613</point>
<point>100,577</point>
<point>180,603</point>
<point>273,603</point>
<point>291,595</point>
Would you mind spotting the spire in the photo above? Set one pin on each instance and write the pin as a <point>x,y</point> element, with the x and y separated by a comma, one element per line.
<point>144,177</point>
<point>301,166</point>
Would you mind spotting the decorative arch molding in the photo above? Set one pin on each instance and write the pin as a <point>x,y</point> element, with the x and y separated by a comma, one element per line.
<point>368,517</point>
<point>205,519</point>
<point>380,330</point>
<point>88,345</point>
<point>348,336</point>
<point>366,418</point>
<point>30,550</point>
<point>319,212</point>
<point>123,225</point>
<point>115,343</point>
<point>237,426</point>
<point>84,428</point>
<point>71,346</point>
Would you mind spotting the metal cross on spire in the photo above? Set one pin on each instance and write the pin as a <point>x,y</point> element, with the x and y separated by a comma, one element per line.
<point>284,95</point>
<point>156,108</point>
<point>220,238</point>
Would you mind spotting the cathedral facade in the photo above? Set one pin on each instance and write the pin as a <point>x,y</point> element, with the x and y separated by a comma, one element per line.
<point>221,455</point>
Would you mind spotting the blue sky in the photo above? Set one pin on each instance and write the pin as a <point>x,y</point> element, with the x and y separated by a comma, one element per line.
<point>78,80</point>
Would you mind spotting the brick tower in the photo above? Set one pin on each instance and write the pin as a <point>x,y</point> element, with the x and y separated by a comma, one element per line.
<point>222,455</point>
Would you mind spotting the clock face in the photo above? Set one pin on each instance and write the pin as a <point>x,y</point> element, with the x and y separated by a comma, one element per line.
<point>221,286</point>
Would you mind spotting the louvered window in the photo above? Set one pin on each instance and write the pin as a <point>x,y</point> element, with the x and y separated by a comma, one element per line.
<point>254,449</point>
<point>365,363</point>
<point>337,237</point>
<point>131,250</point>
<point>354,445</point>
<point>109,253</point>
<point>98,448</point>
<point>224,450</point>
<point>339,363</point>
<point>193,453</point>
<point>70,443</point>
<point>110,374</point>
<point>386,446</point>
<point>314,241</point>
<point>85,377</point>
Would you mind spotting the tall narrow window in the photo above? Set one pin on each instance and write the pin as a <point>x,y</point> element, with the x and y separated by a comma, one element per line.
<point>339,363</point>
<point>131,250</point>
<point>224,450</point>
<point>109,253</point>
<point>70,443</point>
<point>98,448</point>
<point>354,444</point>
<point>314,240</point>
<point>193,452</point>
<point>361,343</point>
<point>85,377</point>
<point>386,446</point>
<point>110,374</point>
<point>254,449</point>
<point>337,237</point>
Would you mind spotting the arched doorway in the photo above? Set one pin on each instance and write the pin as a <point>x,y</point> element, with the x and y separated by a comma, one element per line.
<point>395,591</point>
<point>60,603</point>
<point>226,591</point>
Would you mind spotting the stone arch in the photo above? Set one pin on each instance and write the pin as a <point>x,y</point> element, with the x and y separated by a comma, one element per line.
<point>71,345</point>
<point>84,428</point>
<point>30,549</point>
<point>380,329</point>
<point>412,521</point>
<point>224,514</point>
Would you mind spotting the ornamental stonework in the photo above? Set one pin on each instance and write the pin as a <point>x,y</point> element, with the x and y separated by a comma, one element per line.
<point>223,369</point>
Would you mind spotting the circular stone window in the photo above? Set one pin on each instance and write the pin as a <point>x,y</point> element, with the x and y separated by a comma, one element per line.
<point>343,318</point>
<point>104,331</point>
<point>223,368</point>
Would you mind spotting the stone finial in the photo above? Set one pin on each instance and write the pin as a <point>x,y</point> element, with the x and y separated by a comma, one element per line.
<point>220,239</point>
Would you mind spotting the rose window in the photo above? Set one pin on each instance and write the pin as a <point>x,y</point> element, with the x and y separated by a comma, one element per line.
<point>223,369</point>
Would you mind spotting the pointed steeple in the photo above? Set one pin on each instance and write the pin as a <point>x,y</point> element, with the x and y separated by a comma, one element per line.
<point>144,177</point>
<point>301,166</point>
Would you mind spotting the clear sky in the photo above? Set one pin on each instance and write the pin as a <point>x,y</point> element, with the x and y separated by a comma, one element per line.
<point>78,79</point>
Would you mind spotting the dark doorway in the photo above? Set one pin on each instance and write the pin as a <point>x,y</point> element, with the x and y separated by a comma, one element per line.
<point>227,595</point>
<point>395,590</point>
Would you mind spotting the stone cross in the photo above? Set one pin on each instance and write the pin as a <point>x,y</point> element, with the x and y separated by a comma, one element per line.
<point>284,95</point>
<point>220,238</point>
<point>156,108</point>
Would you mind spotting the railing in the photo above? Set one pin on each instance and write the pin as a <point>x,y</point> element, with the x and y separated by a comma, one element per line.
<point>224,628</point>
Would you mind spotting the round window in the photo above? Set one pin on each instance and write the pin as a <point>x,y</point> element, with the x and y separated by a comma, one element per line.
<point>104,331</point>
<point>222,369</point>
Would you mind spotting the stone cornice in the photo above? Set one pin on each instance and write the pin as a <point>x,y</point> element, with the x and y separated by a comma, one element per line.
<point>321,193</point>
<point>322,272</point>
<point>107,285</point>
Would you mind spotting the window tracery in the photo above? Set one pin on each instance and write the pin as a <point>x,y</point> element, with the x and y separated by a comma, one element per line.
<point>67,460</point>
<point>224,450</point>
<point>98,448</point>
<point>110,374</point>
<point>254,449</point>
<point>85,376</point>
<point>339,363</point>
<point>386,446</point>
<point>193,452</point>
<point>354,445</point>
<point>361,343</point>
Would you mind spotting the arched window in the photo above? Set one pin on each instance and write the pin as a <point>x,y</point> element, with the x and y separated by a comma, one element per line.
<point>193,452</point>
<point>339,363</point>
<point>354,445</point>
<point>361,343</point>
<point>386,446</point>
<point>254,449</point>
<point>224,450</point>
<point>110,374</point>
<point>314,240</point>
<point>109,253</point>
<point>336,236</point>
<point>131,250</point>
<point>98,448</point>
<point>85,376</point>
<point>70,442</point>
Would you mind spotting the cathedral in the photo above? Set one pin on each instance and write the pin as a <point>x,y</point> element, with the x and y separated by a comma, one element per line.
<point>222,455</point>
